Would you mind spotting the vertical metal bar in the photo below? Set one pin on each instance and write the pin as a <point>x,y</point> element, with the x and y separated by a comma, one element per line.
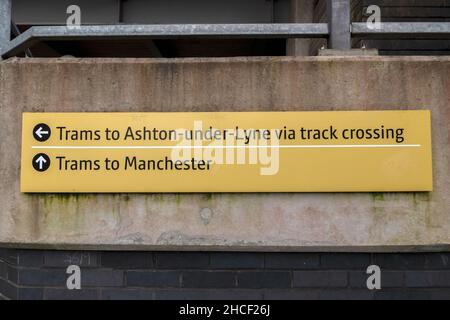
<point>339,22</point>
<point>301,11</point>
<point>5,24</point>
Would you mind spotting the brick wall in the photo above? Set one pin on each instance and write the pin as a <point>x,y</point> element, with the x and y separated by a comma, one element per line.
<point>36,274</point>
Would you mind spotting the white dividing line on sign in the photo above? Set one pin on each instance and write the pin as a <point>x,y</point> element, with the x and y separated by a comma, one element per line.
<point>237,147</point>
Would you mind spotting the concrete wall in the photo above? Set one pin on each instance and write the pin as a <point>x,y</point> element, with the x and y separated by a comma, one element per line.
<point>336,222</point>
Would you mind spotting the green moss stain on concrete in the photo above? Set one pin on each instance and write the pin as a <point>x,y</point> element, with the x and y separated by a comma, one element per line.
<point>61,212</point>
<point>378,214</point>
<point>209,198</point>
<point>178,199</point>
<point>377,196</point>
<point>378,206</point>
<point>414,200</point>
<point>157,197</point>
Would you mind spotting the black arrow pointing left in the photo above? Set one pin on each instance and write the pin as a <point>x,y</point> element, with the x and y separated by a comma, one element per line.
<point>41,132</point>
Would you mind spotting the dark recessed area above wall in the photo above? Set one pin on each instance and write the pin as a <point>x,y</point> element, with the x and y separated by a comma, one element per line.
<point>162,48</point>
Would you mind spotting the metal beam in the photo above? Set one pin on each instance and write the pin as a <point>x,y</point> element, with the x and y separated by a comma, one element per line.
<point>403,30</point>
<point>281,30</point>
<point>5,24</point>
<point>16,32</point>
<point>339,24</point>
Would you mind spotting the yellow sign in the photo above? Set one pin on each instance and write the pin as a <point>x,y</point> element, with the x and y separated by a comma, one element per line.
<point>345,151</point>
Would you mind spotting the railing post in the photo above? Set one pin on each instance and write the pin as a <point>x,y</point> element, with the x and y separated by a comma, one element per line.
<point>302,11</point>
<point>339,24</point>
<point>5,24</point>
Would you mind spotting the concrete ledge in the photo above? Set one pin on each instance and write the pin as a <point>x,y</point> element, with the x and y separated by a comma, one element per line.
<point>348,53</point>
<point>432,248</point>
<point>257,222</point>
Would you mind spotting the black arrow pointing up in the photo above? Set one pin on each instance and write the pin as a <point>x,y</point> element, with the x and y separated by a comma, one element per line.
<point>41,162</point>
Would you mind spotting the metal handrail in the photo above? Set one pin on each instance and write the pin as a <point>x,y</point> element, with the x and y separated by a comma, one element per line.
<point>338,30</point>
<point>403,30</point>
<point>173,31</point>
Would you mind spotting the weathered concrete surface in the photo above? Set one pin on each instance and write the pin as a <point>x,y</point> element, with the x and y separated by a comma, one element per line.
<point>344,222</point>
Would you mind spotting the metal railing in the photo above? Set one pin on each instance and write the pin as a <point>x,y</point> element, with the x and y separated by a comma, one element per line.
<point>173,31</point>
<point>338,31</point>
